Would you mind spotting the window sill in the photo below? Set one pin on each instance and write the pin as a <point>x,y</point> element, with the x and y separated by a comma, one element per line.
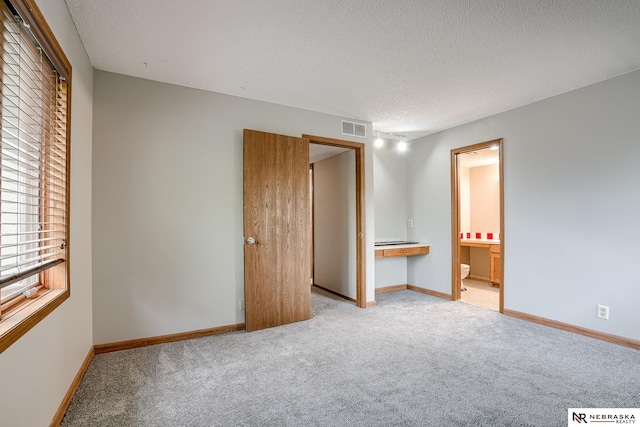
<point>20,319</point>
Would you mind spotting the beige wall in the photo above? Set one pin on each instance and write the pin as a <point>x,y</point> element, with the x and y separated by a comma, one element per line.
<point>37,370</point>
<point>484,199</point>
<point>483,212</point>
<point>465,199</point>
<point>479,212</point>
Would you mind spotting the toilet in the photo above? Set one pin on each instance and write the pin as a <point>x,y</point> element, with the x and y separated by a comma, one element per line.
<point>464,272</point>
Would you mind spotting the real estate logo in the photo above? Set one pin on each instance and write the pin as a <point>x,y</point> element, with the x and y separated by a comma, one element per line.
<point>581,416</point>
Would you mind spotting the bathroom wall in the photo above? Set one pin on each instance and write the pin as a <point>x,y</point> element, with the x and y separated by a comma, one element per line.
<point>571,173</point>
<point>390,206</point>
<point>484,199</point>
<point>479,204</point>
<point>484,213</point>
<point>464,206</point>
<point>334,221</point>
<point>464,202</point>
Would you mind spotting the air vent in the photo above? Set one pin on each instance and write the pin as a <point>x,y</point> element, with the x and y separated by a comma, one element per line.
<point>355,129</point>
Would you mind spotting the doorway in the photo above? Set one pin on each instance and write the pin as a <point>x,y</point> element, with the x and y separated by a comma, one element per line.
<point>357,150</point>
<point>477,181</point>
<point>276,224</point>
<point>333,236</point>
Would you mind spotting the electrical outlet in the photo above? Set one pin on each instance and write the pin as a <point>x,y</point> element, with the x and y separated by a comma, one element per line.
<point>603,312</point>
<point>410,223</point>
<point>242,304</point>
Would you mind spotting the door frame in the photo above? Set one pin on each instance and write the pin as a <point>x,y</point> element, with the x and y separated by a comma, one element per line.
<point>456,291</point>
<point>358,147</point>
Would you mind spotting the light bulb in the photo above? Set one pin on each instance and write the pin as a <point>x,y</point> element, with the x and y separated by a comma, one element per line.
<point>379,142</point>
<point>402,146</point>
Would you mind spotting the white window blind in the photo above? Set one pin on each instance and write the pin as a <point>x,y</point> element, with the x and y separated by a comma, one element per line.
<point>33,160</point>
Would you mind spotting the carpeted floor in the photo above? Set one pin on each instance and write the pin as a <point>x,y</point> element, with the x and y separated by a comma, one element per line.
<point>413,360</point>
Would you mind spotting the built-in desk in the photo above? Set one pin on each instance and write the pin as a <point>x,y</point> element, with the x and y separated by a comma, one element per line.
<point>386,251</point>
<point>391,263</point>
<point>494,256</point>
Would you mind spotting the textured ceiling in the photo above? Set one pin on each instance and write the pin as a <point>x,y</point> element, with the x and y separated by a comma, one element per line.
<point>477,158</point>
<point>409,66</point>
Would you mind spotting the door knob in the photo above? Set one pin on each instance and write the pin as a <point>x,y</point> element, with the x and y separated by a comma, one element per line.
<point>251,241</point>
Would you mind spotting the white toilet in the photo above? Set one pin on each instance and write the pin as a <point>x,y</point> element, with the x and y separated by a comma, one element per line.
<point>464,272</point>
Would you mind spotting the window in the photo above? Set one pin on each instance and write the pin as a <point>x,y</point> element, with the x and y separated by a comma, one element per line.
<point>34,170</point>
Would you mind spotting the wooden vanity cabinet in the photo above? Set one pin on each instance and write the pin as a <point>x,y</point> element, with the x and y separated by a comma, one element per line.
<point>494,265</point>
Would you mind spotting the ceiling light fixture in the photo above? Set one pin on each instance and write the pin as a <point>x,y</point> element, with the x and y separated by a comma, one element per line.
<point>392,136</point>
<point>379,142</point>
<point>402,146</point>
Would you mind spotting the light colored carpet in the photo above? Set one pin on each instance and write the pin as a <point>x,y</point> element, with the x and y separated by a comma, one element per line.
<point>481,293</point>
<point>413,360</point>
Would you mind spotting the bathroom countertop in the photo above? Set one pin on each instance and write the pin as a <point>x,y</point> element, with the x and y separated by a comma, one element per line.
<point>470,242</point>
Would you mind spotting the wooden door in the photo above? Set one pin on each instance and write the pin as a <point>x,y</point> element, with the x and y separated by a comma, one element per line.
<point>276,230</point>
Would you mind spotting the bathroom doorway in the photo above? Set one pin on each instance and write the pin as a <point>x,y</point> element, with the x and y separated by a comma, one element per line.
<point>477,194</point>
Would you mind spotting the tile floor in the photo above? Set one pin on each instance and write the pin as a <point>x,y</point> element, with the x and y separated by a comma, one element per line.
<point>482,294</point>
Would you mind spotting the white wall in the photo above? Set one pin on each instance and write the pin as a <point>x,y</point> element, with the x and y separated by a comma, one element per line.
<point>167,227</point>
<point>390,194</point>
<point>571,174</point>
<point>37,370</point>
<point>334,220</point>
<point>391,271</point>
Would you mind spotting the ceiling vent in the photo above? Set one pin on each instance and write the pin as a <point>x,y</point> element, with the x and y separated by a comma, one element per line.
<point>355,129</point>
